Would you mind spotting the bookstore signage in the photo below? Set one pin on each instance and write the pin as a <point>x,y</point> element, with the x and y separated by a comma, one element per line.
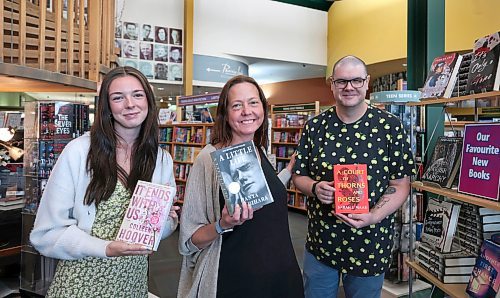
<point>480,171</point>
<point>216,69</point>
<point>198,99</point>
<point>395,96</point>
<point>296,108</point>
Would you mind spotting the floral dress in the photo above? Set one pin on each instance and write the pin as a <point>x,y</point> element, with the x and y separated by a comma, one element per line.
<point>96,277</point>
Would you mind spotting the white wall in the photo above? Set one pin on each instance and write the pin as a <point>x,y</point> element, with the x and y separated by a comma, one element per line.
<point>261,29</point>
<point>157,12</point>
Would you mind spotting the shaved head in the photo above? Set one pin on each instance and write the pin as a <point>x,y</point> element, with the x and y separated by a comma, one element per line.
<point>349,60</point>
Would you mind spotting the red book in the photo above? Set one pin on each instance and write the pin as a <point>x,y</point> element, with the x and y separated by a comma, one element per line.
<point>351,188</point>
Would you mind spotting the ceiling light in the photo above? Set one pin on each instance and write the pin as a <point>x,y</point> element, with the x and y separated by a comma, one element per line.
<point>161,88</point>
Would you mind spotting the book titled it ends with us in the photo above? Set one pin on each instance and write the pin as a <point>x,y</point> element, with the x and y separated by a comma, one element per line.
<point>351,188</point>
<point>145,217</point>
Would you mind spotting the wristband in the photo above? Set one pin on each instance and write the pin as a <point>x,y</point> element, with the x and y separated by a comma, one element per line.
<point>220,230</point>
<point>314,188</point>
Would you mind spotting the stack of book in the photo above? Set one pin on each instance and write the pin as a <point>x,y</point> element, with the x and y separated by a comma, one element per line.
<point>460,88</point>
<point>451,267</point>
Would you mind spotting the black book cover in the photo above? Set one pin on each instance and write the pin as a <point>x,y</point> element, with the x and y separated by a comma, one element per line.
<point>64,120</point>
<point>445,162</point>
<point>484,73</point>
<point>241,177</point>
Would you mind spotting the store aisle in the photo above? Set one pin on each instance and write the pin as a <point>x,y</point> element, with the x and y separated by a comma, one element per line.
<point>165,263</point>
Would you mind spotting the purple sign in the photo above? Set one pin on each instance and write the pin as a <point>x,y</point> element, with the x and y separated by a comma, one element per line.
<point>480,168</point>
<point>198,99</point>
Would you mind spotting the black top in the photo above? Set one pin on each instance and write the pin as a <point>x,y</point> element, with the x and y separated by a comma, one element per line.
<point>257,258</point>
<point>378,140</point>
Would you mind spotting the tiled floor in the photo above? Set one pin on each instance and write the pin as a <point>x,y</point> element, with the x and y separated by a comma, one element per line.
<point>165,263</point>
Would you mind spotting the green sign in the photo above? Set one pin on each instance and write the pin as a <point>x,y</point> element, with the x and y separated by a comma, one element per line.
<point>395,96</point>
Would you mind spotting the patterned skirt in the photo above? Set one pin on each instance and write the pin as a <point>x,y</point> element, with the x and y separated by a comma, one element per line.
<point>95,277</point>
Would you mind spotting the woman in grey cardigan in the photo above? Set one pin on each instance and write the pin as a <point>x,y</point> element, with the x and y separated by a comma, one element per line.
<point>249,254</point>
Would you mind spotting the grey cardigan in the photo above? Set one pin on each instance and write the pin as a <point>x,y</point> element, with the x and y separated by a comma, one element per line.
<point>201,207</point>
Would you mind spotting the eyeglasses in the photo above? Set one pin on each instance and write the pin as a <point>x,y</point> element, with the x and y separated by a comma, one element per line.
<point>355,83</point>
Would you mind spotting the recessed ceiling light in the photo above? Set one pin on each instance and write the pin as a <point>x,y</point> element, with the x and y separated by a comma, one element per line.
<point>161,88</point>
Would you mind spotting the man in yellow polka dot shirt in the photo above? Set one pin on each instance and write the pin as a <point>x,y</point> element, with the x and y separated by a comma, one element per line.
<point>354,247</point>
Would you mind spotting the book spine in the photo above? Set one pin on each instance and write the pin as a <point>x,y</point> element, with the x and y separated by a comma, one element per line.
<point>229,206</point>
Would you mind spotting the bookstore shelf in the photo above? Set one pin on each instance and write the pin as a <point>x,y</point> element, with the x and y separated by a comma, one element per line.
<point>454,290</point>
<point>485,95</point>
<point>455,195</point>
<point>10,251</point>
<point>287,122</point>
<point>457,123</point>
<point>184,141</point>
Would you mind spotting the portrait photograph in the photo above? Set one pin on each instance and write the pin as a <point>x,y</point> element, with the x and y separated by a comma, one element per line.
<point>130,30</point>
<point>147,32</point>
<point>161,52</point>
<point>175,36</point>
<point>147,69</point>
<point>130,49</point>
<point>161,71</point>
<point>146,50</point>
<point>161,34</point>
<point>175,72</point>
<point>175,54</point>
<point>118,30</point>
<point>129,62</point>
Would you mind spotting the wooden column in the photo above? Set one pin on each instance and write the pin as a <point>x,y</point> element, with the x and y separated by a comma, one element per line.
<point>188,46</point>
<point>71,36</point>
<point>58,34</point>
<point>22,33</point>
<point>1,30</point>
<point>41,33</point>
<point>94,15</point>
<point>81,44</point>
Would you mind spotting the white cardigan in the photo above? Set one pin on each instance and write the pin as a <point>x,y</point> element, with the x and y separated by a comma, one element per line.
<point>63,222</point>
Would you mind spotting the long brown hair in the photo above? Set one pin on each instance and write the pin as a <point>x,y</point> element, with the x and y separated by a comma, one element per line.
<point>101,160</point>
<point>223,133</point>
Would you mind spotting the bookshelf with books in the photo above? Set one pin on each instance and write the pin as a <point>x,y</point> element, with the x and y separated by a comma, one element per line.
<point>184,141</point>
<point>49,127</point>
<point>190,131</point>
<point>287,122</point>
<point>452,193</point>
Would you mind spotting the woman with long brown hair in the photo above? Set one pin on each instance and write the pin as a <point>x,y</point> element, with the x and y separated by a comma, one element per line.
<point>89,190</point>
<point>250,253</point>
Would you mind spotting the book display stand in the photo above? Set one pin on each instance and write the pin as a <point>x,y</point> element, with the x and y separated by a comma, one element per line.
<point>469,202</point>
<point>50,126</point>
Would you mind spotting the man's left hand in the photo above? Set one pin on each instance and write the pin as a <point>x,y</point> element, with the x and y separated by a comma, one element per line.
<point>357,220</point>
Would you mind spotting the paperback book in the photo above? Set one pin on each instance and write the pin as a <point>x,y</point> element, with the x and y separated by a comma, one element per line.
<point>440,223</point>
<point>240,176</point>
<point>484,281</point>
<point>445,162</point>
<point>351,188</point>
<point>456,258</point>
<point>442,76</point>
<point>484,71</point>
<point>146,214</point>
